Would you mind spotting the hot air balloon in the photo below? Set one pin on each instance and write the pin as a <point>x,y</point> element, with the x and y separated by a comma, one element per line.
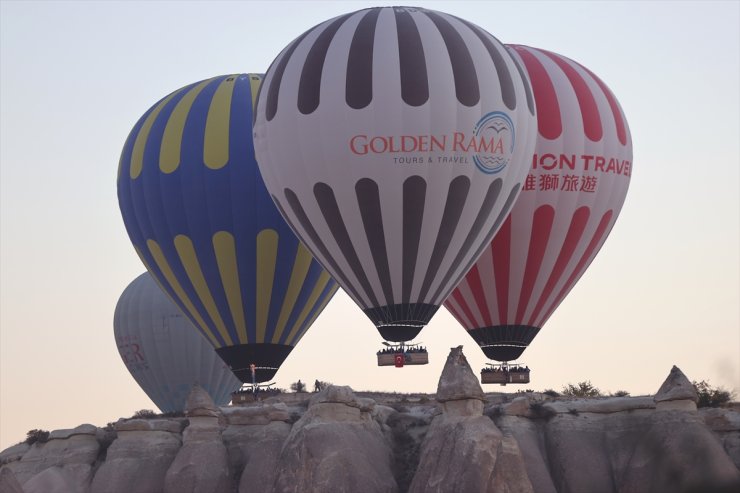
<point>163,351</point>
<point>202,222</point>
<point>394,140</point>
<point>570,200</point>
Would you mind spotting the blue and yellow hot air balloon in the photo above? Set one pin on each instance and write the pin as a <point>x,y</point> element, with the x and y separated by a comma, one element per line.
<point>202,222</point>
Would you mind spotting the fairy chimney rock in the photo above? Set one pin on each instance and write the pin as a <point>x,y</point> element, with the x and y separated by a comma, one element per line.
<point>199,403</point>
<point>459,383</point>
<point>676,393</point>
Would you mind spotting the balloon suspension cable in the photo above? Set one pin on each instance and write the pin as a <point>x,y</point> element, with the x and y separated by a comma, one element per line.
<point>253,369</point>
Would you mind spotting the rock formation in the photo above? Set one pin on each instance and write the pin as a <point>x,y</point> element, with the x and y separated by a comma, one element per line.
<point>201,464</point>
<point>335,446</point>
<point>463,450</point>
<point>338,441</point>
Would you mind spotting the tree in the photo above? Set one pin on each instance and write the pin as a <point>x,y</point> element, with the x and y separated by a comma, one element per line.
<point>581,389</point>
<point>33,436</point>
<point>711,396</point>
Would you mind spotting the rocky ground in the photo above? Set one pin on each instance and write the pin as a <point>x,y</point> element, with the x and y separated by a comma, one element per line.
<point>460,440</point>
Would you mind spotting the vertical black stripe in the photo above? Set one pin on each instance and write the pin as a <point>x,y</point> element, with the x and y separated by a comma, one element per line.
<point>309,88</point>
<point>489,237</point>
<point>413,65</point>
<point>525,80</point>
<point>297,208</point>
<point>414,195</point>
<point>457,194</point>
<point>508,93</point>
<point>463,68</point>
<point>274,90</point>
<point>494,189</point>
<point>368,200</point>
<point>359,89</point>
<point>330,209</point>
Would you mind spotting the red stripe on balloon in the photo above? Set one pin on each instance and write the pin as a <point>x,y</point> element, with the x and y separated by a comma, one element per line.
<point>501,252</point>
<point>472,322</point>
<point>616,110</point>
<point>476,287</point>
<point>572,238</point>
<point>586,101</point>
<point>549,122</point>
<point>596,241</point>
<point>541,228</point>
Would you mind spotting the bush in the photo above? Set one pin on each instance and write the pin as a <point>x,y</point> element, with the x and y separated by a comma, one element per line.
<point>621,393</point>
<point>144,414</point>
<point>581,389</point>
<point>40,436</point>
<point>711,396</point>
<point>551,393</point>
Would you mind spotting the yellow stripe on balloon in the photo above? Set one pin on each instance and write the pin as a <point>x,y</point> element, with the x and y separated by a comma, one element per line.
<point>137,155</point>
<point>255,80</point>
<point>189,260</point>
<point>301,264</point>
<point>161,262</point>
<point>169,151</point>
<point>267,247</point>
<point>216,139</point>
<point>328,298</point>
<point>318,288</point>
<point>224,247</point>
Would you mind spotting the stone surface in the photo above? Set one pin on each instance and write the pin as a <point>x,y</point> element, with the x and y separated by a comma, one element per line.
<point>84,429</point>
<point>529,435</point>
<point>257,414</point>
<point>171,426</point>
<point>463,407</point>
<point>457,380</point>
<point>460,455</point>
<point>690,460</point>
<point>53,480</point>
<point>14,453</point>
<point>329,449</point>
<point>676,387</point>
<point>137,461</point>
<point>8,482</point>
<point>685,405</point>
<point>464,451</point>
<point>253,453</point>
<point>75,455</point>
<point>200,403</point>
<point>201,464</point>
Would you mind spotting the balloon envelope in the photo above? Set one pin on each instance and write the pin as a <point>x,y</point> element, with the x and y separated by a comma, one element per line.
<point>570,200</point>
<point>394,140</point>
<point>201,220</point>
<point>165,354</point>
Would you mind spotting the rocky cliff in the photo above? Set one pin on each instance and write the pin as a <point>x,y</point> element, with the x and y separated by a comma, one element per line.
<point>336,441</point>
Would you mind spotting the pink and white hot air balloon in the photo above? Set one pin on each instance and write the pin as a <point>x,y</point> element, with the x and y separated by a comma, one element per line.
<point>569,203</point>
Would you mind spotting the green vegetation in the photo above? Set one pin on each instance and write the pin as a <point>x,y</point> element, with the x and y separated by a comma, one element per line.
<point>581,389</point>
<point>621,393</point>
<point>711,396</point>
<point>144,414</point>
<point>40,436</point>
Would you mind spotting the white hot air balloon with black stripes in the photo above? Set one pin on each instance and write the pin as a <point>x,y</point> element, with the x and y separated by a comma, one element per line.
<point>394,141</point>
<point>577,183</point>
<point>163,351</point>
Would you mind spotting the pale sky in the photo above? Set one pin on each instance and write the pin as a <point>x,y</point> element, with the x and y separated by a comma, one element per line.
<point>75,77</point>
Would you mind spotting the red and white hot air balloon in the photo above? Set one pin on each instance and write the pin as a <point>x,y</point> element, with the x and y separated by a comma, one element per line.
<point>569,203</point>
